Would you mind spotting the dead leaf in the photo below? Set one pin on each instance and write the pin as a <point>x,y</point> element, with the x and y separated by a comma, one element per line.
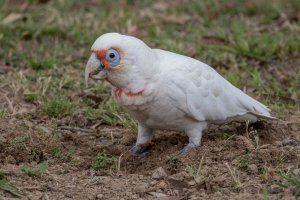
<point>182,19</point>
<point>12,17</point>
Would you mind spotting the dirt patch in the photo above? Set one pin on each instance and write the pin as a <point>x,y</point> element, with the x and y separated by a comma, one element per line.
<point>236,162</point>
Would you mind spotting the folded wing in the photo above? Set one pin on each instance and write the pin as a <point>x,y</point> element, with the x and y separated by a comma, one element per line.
<point>204,95</point>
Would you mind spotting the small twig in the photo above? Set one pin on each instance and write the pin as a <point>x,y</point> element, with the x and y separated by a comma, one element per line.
<point>247,128</point>
<point>46,196</point>
<point>10,105</point>
<point>199,168</point>
<point>112,136</point>
<point>32,188</point>
<point>169,187</point>
<point>230,137</point>
<point>119,161</point>
<point>234,175</point>
<point>97,124</point>
<point>46,85</point>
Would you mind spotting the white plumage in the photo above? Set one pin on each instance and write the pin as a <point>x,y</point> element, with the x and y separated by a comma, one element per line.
<point>164,90</point>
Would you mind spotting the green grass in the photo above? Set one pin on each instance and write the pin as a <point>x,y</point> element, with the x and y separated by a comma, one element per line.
<point>57,153</point>
<point>37,63</point>
<point>20,140</point>
<point>291,180</point>
<point>35,171</point>
<point>8,187</point>
<point>103,161</point>
<point>265,193</point>
<point>3,114</point>
<point>58,106</point>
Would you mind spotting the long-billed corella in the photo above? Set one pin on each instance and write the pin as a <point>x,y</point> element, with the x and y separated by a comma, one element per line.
<point>165,90</point>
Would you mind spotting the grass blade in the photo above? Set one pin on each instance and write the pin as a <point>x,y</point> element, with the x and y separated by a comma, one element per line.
<point>7,187</point>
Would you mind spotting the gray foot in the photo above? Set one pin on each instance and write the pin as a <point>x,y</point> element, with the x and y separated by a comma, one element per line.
<point>186,149</point>
<point>136,150</point>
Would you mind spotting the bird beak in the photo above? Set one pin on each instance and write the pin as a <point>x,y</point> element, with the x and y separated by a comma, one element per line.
<point>94,69</point>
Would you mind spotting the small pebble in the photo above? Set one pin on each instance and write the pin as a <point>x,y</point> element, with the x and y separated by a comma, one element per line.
<point>287,142</point>
<point>159,173</point>
<point>142,188</point>
<point>275,189</point>
<point>152,183</point>
<point>176,192</point>
<point>99,196</point>
<point>278,143</point>
<point>253,168</point>
<point>162,185</point>
<point>191,183</point>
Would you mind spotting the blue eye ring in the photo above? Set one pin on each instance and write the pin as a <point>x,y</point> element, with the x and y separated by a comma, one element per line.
<point>113,57</point>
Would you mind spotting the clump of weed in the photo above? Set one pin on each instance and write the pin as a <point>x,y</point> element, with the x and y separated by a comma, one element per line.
<point>291,180</point>
<point>31,97</point>
<point>58,106</point>
<point>115,115</point>
<point>19,140</point>
<point>8,187</point>
<point>196,171</point>
<point>103,161</point>
<point>65,157</point>
<point>3,114</point>
<point>234,79</point>
<point>35,171</point>
<point>265,193</point>
<point>38,64</point>
<point>111,114</point>
<point>92,114</point>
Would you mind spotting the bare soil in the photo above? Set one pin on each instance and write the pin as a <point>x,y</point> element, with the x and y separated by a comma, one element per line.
<point>237,162</point>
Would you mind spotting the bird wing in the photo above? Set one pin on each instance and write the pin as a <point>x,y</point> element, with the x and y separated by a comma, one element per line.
<point>203,94</point>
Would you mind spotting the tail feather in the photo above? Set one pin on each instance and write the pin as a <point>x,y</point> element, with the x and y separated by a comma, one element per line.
<point>261,116</point>
<point>254,107</point>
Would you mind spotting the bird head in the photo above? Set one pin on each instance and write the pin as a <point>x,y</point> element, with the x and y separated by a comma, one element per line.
<point>124,61</point>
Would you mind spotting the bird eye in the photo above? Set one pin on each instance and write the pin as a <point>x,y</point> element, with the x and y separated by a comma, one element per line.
<point>113,57</point>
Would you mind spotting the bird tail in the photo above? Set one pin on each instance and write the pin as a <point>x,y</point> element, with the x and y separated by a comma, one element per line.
<point>262,116</point>
<point>254,107</point>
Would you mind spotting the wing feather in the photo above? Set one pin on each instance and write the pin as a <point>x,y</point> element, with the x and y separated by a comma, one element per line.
<point>203,94</point>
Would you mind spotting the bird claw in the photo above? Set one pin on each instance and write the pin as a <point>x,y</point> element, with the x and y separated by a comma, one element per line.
<point>185,149</point>
<point>137,150</point>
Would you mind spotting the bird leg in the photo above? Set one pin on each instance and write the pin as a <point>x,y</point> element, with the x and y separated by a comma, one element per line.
<point>195,134</point>
<point>143,139</point>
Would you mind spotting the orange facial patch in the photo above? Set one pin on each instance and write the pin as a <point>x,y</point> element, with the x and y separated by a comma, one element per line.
<point>101,54</point>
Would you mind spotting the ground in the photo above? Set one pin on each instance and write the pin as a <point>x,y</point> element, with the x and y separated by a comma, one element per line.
<point>61,139</point>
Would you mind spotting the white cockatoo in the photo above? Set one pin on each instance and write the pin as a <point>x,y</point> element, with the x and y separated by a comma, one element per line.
<point>165,90</point>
